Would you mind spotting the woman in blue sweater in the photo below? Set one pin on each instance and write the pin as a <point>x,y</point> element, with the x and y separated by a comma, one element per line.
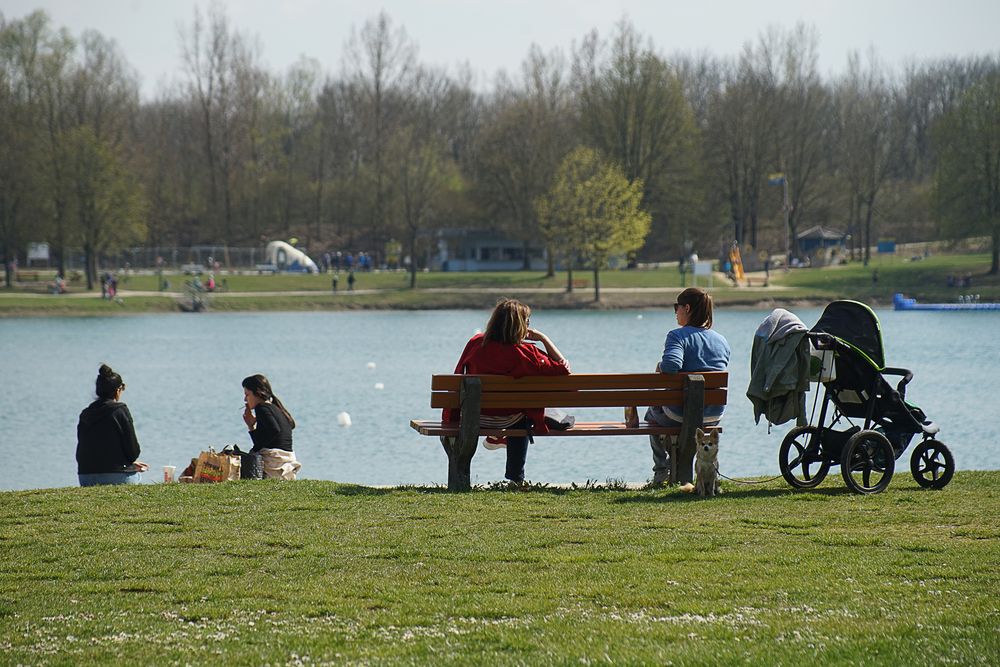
<point>692,347</point>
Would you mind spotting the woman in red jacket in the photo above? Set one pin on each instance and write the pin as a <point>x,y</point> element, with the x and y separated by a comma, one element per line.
<point>503,350</point>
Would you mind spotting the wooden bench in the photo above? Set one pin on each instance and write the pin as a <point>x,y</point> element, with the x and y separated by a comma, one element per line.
<point>472,393</point>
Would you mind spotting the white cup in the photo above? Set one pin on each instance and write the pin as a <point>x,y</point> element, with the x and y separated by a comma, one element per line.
<point>168,474</point>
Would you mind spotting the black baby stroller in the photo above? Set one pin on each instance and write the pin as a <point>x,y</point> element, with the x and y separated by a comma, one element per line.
<point>848,335</point>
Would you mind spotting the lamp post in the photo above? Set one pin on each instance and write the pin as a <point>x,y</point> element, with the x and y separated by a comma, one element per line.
<point>781,179</point>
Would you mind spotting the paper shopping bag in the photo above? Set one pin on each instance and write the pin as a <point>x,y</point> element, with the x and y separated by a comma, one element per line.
<point>210,467</point>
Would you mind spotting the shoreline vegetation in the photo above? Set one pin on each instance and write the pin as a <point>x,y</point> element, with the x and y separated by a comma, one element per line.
<point>328,573</point>
<point>924,279</point>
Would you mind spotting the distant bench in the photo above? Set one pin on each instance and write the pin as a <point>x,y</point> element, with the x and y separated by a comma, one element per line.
<point>473,393</point>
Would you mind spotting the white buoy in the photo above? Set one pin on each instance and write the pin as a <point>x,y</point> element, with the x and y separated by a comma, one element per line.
<point>379,386</point>
<point>638,317</point>
<point>371,365</point>
<point>343,419</point>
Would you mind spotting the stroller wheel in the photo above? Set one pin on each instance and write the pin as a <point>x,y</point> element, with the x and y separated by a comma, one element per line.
<point>801,458</point>
<point>932,464</point>
<point>868,462</point>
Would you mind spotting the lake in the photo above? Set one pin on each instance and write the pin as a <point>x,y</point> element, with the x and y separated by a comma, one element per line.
<point>183,375</point>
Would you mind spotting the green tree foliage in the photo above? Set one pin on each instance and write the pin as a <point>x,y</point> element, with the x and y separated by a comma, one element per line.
<point>593,212</point>
<point>967,183</point>
<point>22,200</point>
<point>109,205</point>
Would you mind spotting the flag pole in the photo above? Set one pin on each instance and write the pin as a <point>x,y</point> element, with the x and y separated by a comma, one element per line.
<point>788,231</point>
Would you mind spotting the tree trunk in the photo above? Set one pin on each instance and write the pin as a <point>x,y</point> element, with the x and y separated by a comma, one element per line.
<point>91,263</point>
<point>995,263</point>
<point>569,277</point>
<point>413,259</point>
<point>8,279</point>
<point>868,232</point>
<point>551,262</point>
<point>597,283</point>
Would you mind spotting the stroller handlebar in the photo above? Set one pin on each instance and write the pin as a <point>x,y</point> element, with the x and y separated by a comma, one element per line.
<point>907,376</point>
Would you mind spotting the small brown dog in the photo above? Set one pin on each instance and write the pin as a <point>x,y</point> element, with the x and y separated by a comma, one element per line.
<point>706,463</point>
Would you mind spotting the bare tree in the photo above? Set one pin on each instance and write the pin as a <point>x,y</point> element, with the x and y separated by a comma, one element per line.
<point>870,139</point>
<point>422,168</point>
<point>804,114</point>
<point>632,108</point>
<point>520,148</point>
<point>380,60</point>
<point>226,84</point>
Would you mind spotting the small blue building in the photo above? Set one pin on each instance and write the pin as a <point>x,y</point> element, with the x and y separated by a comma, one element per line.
<point>482,250</point>
<point>817,237</point>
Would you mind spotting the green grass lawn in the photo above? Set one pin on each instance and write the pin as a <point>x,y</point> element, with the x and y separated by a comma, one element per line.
<point>924,280</point>
<point>319,573</point>
<point>251,282</point>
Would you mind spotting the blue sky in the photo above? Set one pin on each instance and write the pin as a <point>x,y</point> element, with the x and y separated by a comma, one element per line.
<point>491,35</point>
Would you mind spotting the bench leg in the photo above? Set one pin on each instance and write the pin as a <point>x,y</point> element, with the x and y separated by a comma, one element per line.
<point>694,404</point>
<point>682,462</point>
<point>459,463</point>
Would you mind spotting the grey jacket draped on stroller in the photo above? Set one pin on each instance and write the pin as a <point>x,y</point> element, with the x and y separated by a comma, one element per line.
<point>779,369</point>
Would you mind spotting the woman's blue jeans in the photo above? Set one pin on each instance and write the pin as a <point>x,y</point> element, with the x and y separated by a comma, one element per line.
<point>99,478</point>
<point>517,454</point>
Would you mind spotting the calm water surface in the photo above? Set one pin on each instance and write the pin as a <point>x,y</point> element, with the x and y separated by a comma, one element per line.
<point>183,374</point>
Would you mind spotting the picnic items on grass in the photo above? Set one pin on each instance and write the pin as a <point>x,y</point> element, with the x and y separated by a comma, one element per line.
<point>251,463</point>
<point>213,467</point>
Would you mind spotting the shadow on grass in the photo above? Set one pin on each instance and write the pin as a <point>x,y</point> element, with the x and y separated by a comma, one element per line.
<point>627,493</point>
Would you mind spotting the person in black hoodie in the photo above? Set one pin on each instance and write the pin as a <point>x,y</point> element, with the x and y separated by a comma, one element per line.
<point>270,426</point>
<point>107,450</point>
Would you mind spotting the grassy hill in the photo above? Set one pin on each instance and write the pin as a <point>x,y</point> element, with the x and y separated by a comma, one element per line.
<point>315,573</point>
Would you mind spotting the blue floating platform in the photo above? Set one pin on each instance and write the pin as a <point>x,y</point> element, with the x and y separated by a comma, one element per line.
<point>900,302</point>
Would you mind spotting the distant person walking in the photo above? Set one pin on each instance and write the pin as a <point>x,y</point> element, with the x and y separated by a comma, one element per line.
<point>107,449</point>
<point>350,280</point>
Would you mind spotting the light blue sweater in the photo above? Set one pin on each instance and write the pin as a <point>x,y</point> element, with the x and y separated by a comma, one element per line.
<point>692,349</point>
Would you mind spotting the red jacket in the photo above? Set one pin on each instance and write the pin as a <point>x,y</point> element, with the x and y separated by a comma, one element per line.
<point>519,360</point>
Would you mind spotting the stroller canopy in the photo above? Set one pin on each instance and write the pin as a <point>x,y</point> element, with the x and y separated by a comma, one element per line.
<point>857,326</point>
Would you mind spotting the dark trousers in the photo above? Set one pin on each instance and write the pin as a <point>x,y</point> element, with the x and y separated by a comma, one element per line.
<point>517,453</point>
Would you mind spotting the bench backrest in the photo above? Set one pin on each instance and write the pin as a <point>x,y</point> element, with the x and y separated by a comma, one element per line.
<point>579,391</point>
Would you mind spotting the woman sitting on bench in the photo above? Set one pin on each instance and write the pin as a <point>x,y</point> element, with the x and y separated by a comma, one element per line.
<point>690,348</point>
<point>503,350</point>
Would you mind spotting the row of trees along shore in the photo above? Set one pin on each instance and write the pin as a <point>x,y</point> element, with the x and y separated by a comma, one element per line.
<point>387,151</point>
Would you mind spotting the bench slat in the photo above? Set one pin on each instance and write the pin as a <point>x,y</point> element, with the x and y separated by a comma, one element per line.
<point>425,427</point>
<point>578,399</point>
<point>583,381</point>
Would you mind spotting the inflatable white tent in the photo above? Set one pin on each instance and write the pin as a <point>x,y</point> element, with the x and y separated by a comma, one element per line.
<point>289,258</point>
